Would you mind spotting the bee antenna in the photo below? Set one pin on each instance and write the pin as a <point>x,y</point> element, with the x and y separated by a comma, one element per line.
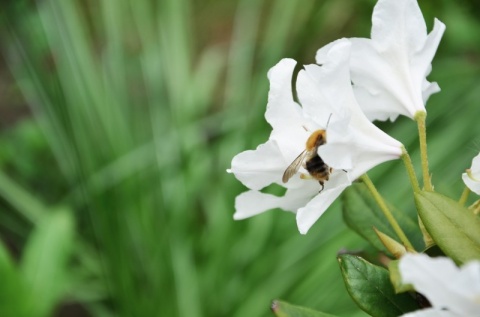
<point>328,121</point>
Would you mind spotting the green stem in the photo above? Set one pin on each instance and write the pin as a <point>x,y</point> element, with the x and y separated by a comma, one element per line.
<point>420,117</point>
<point>410,170</point>
<point>463,198</point>
<point>383,206</point>
<point>416,189</point>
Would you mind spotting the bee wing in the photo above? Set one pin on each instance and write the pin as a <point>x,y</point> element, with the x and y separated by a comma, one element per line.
<point>293,168</point>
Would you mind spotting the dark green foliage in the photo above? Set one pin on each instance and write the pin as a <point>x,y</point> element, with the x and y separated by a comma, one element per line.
<point>370,287</point>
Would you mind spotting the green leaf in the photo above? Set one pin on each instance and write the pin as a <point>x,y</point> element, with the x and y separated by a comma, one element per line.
<point>394,247</point>
<point>12,291</point>
<point>282,309</point>
<point>44,261</point>
<point>369,286</point>
<point>454,228</point>
<point>361,213</point>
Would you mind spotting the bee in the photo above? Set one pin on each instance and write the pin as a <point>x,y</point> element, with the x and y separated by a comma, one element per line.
<point>310,160</point>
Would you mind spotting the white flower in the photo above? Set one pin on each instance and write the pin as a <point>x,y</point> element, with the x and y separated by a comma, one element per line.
<point>353,146</point>
<point>452,291</point>
<point>389,70</point>
<point>472,177</point>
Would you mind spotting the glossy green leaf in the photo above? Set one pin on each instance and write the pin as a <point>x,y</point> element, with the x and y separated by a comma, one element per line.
<point>370,287</point>
<point>44,261</point>
<point>282,309</point>
<point>454,228</point>
<point>361,213</point>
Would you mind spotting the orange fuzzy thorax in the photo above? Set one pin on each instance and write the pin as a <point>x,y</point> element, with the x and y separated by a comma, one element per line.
<point>316,139</point>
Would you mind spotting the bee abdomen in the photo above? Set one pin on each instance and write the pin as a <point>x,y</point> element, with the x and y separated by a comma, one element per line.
<point>317,167</point>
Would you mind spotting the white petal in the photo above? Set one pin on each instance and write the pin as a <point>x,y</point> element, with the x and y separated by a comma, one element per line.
<point>398,23</point>
<point>326,90</point>
<point>389,71</point>
<point>442,283</point>
<point>259,168</point>
<point>421,60</point>
<point>309,214</point>
<point>353,142</point>
<point>429,89</point>
<point>322,55</point>
<point>290,127</point>
<point>386,76</point>
<point>472,179</point>
<point>433,40</point>
<point>473,185</point>
<point>291,141</point>
<point>282,110</point>
<point>476,167</point>
<point>377,105</point>
<point>471,277</point>
<point>358,147</point>
<point>253,202</point>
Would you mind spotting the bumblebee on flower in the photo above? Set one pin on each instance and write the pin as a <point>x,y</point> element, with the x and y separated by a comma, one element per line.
<point>322,143</point>
<point>352,146</point>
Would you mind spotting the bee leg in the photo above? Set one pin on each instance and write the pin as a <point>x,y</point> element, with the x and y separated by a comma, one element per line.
<point>321,184</point>
<point>305,176</point>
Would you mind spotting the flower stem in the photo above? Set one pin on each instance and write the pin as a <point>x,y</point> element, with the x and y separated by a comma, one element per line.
<point>420,117</point>
<point>410,170</point>
<point>416,188</point>
<point>413,177</point>
<point>387,213</point>
<point>463,198</point>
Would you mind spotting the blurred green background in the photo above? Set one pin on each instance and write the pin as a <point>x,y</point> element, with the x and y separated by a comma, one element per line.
<point>118,120</point>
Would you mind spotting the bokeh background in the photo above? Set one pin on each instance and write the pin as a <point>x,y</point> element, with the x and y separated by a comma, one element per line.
<point>118,120</point>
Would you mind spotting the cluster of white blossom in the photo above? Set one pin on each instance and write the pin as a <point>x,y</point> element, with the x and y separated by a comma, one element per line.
<point>354,82</point>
